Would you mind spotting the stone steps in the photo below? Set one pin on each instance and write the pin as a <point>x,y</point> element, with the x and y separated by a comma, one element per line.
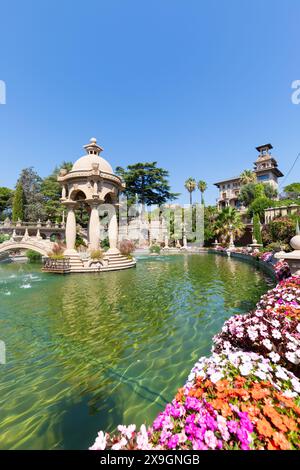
<point>115,261</point>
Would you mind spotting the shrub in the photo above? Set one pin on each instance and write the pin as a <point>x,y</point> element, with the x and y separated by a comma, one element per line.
<point>105,244</point>
<point>155,249</point>
<point>33,256</point>
<point>126,247</point>
<point>57,251</point>
<point>96,254</point>
<point>258,206</point>
<point>274,246</point>
<point>3,237</point>
<point>79,241</point>
<point>256,228</point>
<point>282,229</point>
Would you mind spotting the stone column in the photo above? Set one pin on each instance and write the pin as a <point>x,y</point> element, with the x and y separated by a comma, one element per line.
<point>70,229</point>
<point>94,227</point>
<point>113,233</point>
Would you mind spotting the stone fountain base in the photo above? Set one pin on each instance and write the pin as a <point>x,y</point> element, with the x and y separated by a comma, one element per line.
<point>110,262</point>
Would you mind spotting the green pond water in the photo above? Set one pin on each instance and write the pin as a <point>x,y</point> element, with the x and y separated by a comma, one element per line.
<point>87,352</point>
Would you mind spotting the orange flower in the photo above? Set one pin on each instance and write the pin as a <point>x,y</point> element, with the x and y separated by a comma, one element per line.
<point>252,411</point>
<point>290,423</point>
<point>197,393</point>
<point>222,406</point>
<point>264,428</point>
<point>240,381</point>
<point>180,394</point>
<point>222,385</point>
<point>274,417</point>
<point>288,402</point>
<point>258,394</point>
<point>281,441</point>
<point>271,446</point>
<point>240,392</point>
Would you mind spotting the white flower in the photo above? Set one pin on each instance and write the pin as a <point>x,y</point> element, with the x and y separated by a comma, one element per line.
<point>245,368</point>
<point>276,334</point>
<point>289,394</point>
<point>275,323</point>
<point>127,431</point>
<point>216,377</point>
<point>100,442</point>
<point>292,357</point>
<point>120,444</point>
<point>298,328</point>
<point>281,374</point>
<point>267,343</point>
<point>191,377</point>
<point>142,438</point>
<point>264,367</point>
<point>296,384</point>
<point>259,313</point>
<point>291,346</point>
<point>252,333</point>
<point>274,356</point>
<point>233,359</point>
<point>260,374</point>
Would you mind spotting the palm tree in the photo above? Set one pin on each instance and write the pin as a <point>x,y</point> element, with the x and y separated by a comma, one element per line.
<point>190,185</point>
<point>229,221</point>
<point>202,187</point>
<point>248,176</point>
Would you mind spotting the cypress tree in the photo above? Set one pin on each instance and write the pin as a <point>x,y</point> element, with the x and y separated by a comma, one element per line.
<point>256,228</point>
<point>18,203</point>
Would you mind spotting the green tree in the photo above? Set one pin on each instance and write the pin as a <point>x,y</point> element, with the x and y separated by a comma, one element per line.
<point>18,203</point>
<point>256,229</point>
<point>51,191</point>
<point>202,186</point>
<point>258,206</point>
<point>190,185</point>
<point>148,182</point>
<point>292,190</point>
<point>229,220</point>
<point>251,191</point>
<point>6,196</point>
<point>210,216</point>
<point>248,176</point>
<point>270,191</point>
<point>33,198</point>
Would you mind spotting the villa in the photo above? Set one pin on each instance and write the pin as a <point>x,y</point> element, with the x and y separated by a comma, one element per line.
<point>266,169</point>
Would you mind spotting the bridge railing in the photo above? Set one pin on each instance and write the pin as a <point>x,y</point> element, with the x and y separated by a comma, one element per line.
<point>33,225</point>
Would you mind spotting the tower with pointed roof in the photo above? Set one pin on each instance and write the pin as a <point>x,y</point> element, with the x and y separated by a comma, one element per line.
<point>266,167</point>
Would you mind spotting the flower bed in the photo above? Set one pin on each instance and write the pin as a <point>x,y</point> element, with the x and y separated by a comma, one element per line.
<point>245,396</point>
<point>276,338</point>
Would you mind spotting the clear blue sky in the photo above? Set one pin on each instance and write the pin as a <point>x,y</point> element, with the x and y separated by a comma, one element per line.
<point>192,84</point>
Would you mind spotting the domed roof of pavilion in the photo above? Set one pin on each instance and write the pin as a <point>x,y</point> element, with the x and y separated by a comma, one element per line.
<point>87,162</point>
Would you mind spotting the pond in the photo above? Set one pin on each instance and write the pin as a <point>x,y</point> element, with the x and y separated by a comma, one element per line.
<point>87,352</point>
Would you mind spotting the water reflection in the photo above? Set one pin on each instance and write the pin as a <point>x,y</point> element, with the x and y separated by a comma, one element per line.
<point>86,352</point>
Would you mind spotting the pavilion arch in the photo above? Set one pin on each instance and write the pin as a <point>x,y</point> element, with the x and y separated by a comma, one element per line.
<point>77,195</point>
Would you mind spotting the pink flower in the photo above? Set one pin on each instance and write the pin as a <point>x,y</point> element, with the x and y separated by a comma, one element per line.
<point>210,439</point>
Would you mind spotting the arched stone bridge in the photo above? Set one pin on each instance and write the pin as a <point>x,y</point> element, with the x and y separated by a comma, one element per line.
<point>41,246</point>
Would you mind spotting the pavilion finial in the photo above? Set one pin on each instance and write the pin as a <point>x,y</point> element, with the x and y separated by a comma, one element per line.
<point>92,147</point>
